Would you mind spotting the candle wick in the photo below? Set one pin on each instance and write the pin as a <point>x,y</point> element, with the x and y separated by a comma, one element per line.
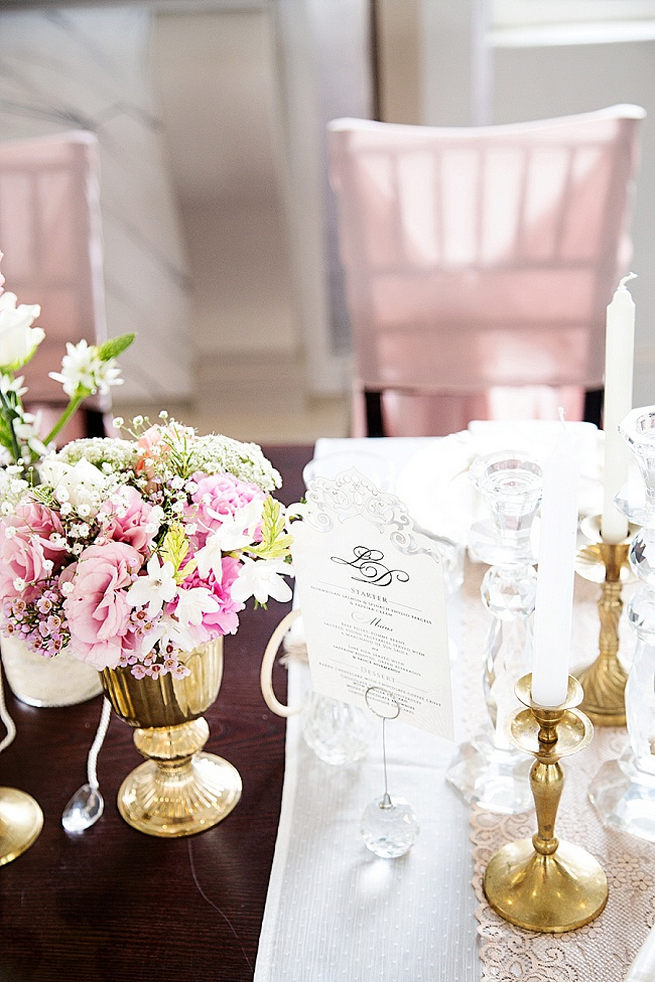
<point>626,279</point>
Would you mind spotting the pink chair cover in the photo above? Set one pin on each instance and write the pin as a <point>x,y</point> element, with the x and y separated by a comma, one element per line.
<point>50,234</point>
<point>479,262</point>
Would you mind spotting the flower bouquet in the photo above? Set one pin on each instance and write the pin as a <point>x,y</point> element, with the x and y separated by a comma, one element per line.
<point>24,442</point>
<point>131,551</point>
<point>136,556</point>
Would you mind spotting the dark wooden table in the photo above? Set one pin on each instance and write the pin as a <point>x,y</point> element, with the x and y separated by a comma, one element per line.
<point>114,904</point>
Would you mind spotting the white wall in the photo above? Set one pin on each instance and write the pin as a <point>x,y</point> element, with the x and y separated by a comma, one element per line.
<point>538,82</point>
<point>216,80</point>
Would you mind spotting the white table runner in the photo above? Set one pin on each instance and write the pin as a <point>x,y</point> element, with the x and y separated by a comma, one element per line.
<point>334,911</point>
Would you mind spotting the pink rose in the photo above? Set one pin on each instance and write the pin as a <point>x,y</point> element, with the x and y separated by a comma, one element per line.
<point>217,497</point>
<point>127,521</point>
<point>224,620</point>
<point>97,609</point>
<point>26,550</point>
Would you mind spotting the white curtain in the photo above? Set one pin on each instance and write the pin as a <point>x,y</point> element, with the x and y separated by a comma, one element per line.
<point>88,69</point>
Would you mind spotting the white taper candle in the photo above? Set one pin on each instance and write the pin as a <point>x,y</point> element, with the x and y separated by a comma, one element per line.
<point>619,357</point>
<point>554,599</point>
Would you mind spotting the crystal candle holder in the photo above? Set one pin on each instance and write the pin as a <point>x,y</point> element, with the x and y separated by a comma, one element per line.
<point>489,770</point>
<point>623,791</point>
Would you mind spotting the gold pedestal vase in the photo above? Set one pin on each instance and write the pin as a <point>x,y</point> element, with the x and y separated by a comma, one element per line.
<point>179,790</point>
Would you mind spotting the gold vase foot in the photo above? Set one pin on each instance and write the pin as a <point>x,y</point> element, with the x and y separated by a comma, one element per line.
<point>553,893</point>
<point>174,804</point>
<point>21,821</point>
<point>179,790</point>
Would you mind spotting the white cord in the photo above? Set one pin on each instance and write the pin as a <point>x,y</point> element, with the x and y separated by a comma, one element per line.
<point>8,722</point>
<point>101,733</point>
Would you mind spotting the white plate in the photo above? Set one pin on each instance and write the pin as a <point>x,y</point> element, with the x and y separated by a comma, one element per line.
<point>435,484</point>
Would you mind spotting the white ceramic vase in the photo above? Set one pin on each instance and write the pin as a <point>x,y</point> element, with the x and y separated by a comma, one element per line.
<point>39,681</point>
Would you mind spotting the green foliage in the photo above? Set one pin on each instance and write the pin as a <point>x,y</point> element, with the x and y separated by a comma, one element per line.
<point>115,346</point>
<point>174,549</point>
<point>6,434</point>
<point>275,542</point>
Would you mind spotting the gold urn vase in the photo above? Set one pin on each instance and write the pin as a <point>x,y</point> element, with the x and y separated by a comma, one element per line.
<point>179,790</point>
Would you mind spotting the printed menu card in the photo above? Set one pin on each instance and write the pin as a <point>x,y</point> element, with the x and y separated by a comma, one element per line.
<point>371,591</point>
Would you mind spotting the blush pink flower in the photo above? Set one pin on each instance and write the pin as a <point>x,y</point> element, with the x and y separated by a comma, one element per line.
<point>27,553</point>
<point>130,521</point>
<point>217,497</point>
<point>225,619</point>
<point>149,445</point>
<point>97,609</point>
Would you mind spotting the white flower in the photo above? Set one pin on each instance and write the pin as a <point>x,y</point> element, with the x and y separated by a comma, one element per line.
<point>82,366</point>
<point>261,579</point>
<point>193,603</point>
<point>27,431</point>
<point>18,339</point>
<point>154,589</point>
<point>80,484</point>
<point>235,532</point>
<point>299,509</point>
<point>210,557</point>
<point>167,631</point>
<point>15,385</point>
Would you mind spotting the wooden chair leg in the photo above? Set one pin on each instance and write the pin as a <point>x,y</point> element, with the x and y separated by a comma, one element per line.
<point>593,404</point>
<point>374,421</point>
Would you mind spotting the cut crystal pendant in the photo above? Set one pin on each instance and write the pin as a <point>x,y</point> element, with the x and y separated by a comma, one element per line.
<point>83,810</point>
<point>389,827</point>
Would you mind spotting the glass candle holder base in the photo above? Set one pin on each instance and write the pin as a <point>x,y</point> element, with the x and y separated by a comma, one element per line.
<point>338,733</point>
<point>389,827</point>
<point>494,778</point>
<point>624,798</point>
<point>486,546</point>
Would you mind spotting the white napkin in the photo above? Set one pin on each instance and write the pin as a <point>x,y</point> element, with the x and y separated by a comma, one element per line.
<point>435,483</point>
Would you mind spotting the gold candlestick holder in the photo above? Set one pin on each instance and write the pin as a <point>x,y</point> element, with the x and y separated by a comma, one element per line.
<point>541,883</point>
<point>604,680</point>
<point>21,821</point>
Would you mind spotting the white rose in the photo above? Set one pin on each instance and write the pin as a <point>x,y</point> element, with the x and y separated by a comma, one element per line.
<point>18,339</point>
<point>80,484</point>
